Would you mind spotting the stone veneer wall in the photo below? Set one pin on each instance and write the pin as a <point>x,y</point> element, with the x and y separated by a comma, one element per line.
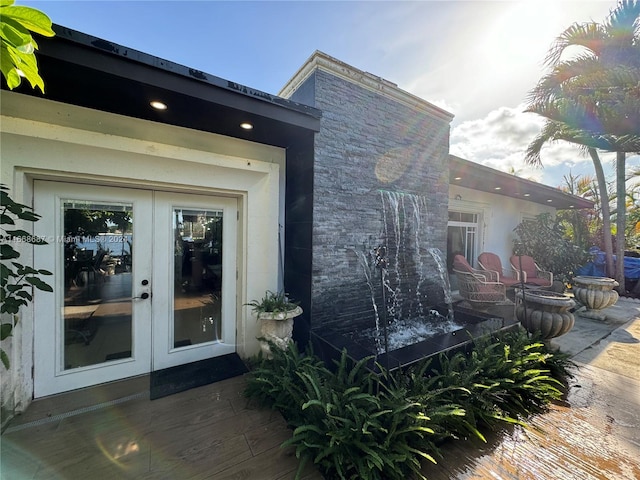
<point>367,143</point>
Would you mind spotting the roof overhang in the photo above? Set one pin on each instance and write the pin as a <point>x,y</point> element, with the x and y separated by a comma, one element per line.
<point>465,173</point>
<point>90,72</point>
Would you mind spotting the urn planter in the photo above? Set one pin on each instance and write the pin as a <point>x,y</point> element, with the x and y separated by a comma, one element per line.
<point>545,312</point>
<point>595,293</point>
<point>277,327</point>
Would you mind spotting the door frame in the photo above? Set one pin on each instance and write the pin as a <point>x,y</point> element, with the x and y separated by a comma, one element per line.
<point>49,374</point>
<point>164,355</point>
<point>50,377</point>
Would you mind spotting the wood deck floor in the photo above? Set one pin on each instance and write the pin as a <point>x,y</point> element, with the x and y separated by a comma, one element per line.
<point>114,432</point>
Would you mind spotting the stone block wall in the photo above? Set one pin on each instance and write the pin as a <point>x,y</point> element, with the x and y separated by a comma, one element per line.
<point>370,146</point>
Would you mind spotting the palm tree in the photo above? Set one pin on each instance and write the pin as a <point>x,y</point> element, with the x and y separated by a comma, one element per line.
<point>580,225</point>
<point>593,100</point>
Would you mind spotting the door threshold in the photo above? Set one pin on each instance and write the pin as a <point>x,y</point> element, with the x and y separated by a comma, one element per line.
<point>66,404</point>
<point>195,374</point>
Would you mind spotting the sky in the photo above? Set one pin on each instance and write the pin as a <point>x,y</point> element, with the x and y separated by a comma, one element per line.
<point>476,59</point>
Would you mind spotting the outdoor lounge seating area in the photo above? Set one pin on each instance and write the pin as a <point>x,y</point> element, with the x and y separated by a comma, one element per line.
<point>490,283</point>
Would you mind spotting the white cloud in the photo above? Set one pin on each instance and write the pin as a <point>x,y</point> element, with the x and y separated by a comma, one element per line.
<point>499,140</point>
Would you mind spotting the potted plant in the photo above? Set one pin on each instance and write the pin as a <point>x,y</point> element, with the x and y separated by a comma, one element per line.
<point>276,313</point>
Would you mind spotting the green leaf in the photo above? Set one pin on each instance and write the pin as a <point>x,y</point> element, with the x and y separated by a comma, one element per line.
<point>29,216</point>
<point>14,288</point>
<point>39,284</point>
<point>30,18</point>
<point>7,252</point>
<point>14,33</point>
<point>27,64</point>
<point>5,330</point>
<point>6,219</point>
<point>5,359</point>
<point>12,305</point>
<point>8,69</point>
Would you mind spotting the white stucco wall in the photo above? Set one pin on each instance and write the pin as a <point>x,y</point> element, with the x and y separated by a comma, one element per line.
<point>47,140</point>
<point>499,215</point>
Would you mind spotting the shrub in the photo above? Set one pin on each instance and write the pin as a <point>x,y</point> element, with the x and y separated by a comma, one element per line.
<point>355,424</point>
<point>545,241</point>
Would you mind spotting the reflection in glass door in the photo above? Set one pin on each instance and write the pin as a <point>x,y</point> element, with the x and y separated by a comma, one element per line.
<point>98,239</point>
<point>143,281</point>
<point>197,276</point>
<point>194,247</point>
<point>94,328</point>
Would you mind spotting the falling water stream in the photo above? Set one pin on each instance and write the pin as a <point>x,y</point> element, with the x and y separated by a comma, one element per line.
<point>411,316</point>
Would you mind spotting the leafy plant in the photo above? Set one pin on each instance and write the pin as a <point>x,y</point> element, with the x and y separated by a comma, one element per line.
<point>505,378</point>
<point>272,303</point>
<point>355,424</point>
<point>544,239</point>
<point>346,422</point>
<point>16,280</point>
<point>17,46</point>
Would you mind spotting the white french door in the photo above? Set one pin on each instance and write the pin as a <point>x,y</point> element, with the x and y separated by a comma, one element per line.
<point>143,280</point>
<point>195,272</point>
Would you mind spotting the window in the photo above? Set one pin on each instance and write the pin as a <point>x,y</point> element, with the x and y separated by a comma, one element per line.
<point>462,236</point>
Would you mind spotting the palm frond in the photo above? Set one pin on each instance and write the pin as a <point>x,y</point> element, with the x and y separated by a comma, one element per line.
<point>588,35</point>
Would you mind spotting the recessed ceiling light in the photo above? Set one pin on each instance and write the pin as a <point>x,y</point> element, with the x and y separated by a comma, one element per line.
<point>497,188</point>
<point>246,126</point>
<point>158,105</point>
<point>549,200</point>
<point>572,206</point>
<point>458,178</point>
<point>527,194</point>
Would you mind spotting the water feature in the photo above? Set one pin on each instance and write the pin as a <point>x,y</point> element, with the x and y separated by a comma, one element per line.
<point>410,294</point>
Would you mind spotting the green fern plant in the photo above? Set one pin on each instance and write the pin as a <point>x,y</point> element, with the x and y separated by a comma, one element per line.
<point>352,423</point>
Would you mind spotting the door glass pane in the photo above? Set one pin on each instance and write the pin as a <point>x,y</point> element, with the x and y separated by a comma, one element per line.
<point>98,239</point>
<point>197,276</point>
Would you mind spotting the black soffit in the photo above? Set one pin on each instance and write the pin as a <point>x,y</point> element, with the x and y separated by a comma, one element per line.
<point>465,173</point>
<point>89,72</point>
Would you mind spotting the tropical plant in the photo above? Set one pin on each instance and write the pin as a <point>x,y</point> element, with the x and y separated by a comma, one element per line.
<point>545,240</point>
<point>632,208</point>
<point>17,45</point>
<point>582,226</point>
<point>16,280</point>
<point>272,302</point>
<point>592,100</point>
<point>354,423</point>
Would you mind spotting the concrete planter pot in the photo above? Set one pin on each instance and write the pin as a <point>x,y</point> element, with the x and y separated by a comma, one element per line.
<point>596,293</point>
<point>545,312</point>
<point>277,327</point>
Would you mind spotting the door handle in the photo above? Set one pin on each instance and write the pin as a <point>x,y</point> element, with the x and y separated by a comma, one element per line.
<point>142,296</point>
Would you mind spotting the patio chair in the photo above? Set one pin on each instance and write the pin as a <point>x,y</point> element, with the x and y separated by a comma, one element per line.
<point>475,289</point>
<point>491,262</point>
<point>533,274</point>
<point>460,264</point>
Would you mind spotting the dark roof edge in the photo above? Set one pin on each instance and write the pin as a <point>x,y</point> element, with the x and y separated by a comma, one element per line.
<point>133,55</point>
<point>552,191</point>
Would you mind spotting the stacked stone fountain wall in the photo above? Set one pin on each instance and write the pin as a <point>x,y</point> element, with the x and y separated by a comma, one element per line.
<point>372,151</point>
